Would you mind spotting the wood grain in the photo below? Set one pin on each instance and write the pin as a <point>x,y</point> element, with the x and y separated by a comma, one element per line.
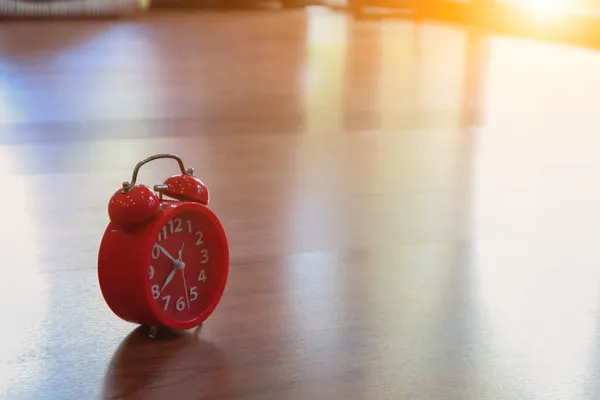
<point>412,209</point>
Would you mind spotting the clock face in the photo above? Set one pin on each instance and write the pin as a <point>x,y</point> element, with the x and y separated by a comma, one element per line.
<point>186,266</point>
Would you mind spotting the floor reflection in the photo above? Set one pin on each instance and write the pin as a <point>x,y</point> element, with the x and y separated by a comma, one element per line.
<point>533,214</point>
<point>324,77</point>
<point>90,91</point>
<point>171,365</point>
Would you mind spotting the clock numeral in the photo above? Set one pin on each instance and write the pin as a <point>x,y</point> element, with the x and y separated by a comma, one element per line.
<point>193,293</point>
<point>155,251</point>
<point>202,277</point>
<point>200,238</point>
<point>175,225</point>
<point>204,256</point>
<point>180,305</point>
<point>155,291</point>
<point>163,233</point>
<point>167,299</point>
<point>189,224</point>
<point>151,272</point>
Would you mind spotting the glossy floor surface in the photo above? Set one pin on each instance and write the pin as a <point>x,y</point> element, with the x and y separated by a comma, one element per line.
<point>412,209</point>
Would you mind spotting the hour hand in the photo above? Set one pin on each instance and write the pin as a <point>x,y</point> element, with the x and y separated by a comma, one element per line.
<point>169,279</point>
<point>181,251</point>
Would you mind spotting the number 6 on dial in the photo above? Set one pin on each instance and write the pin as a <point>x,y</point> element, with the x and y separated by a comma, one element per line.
<point>163,262</point>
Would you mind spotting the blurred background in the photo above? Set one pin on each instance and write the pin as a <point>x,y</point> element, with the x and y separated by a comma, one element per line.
<point>410,191</point>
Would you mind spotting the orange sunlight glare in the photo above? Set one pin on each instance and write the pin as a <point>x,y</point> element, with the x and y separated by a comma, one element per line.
<point>546,7</point>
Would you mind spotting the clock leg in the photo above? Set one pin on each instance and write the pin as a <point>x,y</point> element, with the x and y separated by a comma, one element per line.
<point>153,331</point>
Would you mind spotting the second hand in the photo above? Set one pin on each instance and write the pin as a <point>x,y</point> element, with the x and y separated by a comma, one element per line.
<point>187,299</point>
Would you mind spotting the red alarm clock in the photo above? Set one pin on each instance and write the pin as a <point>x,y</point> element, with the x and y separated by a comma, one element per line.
<point>164,257</point>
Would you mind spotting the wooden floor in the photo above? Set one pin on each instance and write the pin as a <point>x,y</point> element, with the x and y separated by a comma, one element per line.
<point>413,211</point>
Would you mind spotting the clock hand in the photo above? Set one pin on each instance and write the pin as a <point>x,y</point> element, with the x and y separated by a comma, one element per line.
<point>169,279</point>
<point>187,299</point>
<point>181,252</point>
<point>166,253</point>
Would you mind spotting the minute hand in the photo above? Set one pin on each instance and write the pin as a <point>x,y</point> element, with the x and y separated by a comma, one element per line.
<point>166,253</point>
